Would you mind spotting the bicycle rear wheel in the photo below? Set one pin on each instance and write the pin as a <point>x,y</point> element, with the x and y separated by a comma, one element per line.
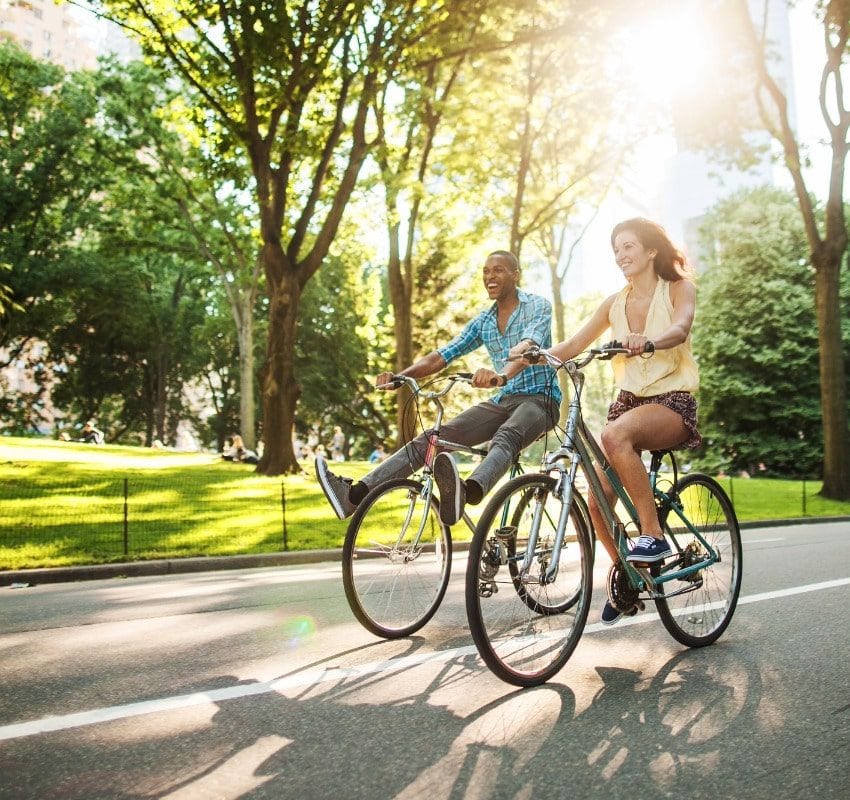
<point>396,559</point>
<point>698,616</point>
<point>524,627</point>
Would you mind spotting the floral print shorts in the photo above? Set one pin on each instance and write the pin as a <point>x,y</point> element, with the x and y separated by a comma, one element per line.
<point>683,403</point>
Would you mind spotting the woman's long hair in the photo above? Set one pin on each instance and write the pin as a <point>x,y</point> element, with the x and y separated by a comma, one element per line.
<point>669,262</point>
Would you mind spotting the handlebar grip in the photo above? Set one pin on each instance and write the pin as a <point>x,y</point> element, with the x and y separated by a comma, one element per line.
<point>649,347</point>
<point>532,355</point>
<point>395,383</point>
<point>467,376</point>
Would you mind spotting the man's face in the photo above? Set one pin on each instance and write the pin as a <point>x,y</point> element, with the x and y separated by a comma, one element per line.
<point>500,278</point>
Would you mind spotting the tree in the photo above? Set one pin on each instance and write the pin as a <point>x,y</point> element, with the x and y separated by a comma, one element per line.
<point>756,339</point>
<point>50,171</point>
<point>827,239</point>
<point>202,195</point>
<point>286,89</point>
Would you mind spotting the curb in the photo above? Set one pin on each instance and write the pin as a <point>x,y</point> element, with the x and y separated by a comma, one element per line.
<point>170,566</point>
<point>179,566</point>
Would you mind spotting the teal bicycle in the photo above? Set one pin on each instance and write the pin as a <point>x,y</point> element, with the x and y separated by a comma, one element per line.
<point>529,586</point>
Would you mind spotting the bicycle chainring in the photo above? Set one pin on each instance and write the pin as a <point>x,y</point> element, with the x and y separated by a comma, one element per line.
<point>623,596</point>
<point>490,561</point>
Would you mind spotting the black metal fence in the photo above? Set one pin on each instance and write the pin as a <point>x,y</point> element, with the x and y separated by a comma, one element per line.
<point>146,515</point>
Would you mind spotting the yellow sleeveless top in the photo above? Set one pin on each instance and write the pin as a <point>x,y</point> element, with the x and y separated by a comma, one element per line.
<point>671,370</point>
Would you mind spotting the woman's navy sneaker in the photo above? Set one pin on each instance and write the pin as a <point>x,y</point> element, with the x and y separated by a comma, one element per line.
<point>649,549</point>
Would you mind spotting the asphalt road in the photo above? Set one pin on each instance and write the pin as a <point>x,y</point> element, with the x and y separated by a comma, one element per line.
<point>259,683</point>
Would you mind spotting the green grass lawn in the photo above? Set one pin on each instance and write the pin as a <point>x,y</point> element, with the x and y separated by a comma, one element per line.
<point>64,503</point>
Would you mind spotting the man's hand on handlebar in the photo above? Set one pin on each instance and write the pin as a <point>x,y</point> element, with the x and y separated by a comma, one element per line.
<point>386,381</point>
<point>485,378</point>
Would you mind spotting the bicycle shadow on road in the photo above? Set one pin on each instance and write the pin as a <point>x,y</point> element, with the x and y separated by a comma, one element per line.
<point>442,729</point>
<point>370,736</point>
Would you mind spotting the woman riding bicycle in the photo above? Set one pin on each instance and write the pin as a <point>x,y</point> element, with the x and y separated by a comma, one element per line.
<point>655,408</point>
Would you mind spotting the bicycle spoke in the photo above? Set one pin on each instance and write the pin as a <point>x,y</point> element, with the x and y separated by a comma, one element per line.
<point>396,560</point>
<point>700,616</point>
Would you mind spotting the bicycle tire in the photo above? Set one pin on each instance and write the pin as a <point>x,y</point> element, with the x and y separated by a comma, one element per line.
<point>698,617</point>
<point>392,586</point>
<point>526,642</point>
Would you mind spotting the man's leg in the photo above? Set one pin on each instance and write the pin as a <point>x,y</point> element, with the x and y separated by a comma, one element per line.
<point>471,427</point>
<point>528,417</point>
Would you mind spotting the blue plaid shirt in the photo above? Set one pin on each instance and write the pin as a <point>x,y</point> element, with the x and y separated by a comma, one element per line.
<point>531,319</point>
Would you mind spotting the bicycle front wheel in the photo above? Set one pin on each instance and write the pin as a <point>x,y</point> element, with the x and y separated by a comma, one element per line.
<point>396,560</point>
<point>697,608</point>
<point>527,610</point>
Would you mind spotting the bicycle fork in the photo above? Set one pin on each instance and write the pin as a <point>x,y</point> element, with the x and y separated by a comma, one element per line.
<point>564,487</point>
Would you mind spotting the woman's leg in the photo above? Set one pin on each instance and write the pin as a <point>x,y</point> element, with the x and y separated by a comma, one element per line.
<point>647,427</point>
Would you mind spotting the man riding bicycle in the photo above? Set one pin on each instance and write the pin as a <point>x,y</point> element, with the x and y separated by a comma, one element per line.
<point>525,406</point>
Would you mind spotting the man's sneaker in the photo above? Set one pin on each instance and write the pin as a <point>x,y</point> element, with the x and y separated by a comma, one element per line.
<point>648,550</point>
<point>452,493</point>
<point>336,489</point>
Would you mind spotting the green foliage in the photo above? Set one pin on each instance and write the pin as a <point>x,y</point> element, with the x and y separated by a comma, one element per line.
<point>756,338</point>
<point>336,331</point>
<point>49,171</point>
<point>108,279</point>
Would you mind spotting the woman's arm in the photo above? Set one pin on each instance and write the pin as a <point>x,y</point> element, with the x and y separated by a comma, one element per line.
<point>587,334</point>
<point>683,298</point>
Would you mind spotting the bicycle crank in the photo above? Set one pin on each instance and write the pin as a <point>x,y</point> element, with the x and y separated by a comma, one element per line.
<point>621,593</point>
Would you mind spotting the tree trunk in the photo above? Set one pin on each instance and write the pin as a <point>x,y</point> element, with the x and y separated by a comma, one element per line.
<point>160,397</point>
<point>403,332</point>
<point>559,325</point>
<point>280,390</point>
<point>246,375</point>
<point>833,381</point>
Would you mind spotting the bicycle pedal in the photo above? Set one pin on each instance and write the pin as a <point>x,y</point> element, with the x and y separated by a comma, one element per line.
<point>505,534</point>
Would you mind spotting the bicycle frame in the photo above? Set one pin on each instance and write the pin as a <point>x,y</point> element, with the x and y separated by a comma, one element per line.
<point>581,450</point>
<point>435,443</point>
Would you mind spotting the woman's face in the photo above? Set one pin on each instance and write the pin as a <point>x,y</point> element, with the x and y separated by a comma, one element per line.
<point>631,256</point>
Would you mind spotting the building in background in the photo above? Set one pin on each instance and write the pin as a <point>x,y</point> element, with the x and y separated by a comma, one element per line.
<point>48,32</point>
<point>65,34</point>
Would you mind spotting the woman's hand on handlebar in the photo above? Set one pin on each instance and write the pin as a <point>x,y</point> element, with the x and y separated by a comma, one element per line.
<point>637,344</point>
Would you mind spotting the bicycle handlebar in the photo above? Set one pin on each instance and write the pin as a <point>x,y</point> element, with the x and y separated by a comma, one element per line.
<point>406,380</point>
<point>606,352</point>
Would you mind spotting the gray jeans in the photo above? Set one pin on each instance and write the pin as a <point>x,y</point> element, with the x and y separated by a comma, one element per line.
<point>511,425</point>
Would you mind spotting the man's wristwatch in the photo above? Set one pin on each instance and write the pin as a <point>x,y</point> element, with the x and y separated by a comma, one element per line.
<point>503,379</point>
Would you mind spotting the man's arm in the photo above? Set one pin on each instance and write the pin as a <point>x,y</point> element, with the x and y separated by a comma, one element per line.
<point>425,366</point>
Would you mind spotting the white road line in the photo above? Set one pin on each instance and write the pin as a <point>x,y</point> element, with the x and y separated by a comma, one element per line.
<point>317,676</point>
